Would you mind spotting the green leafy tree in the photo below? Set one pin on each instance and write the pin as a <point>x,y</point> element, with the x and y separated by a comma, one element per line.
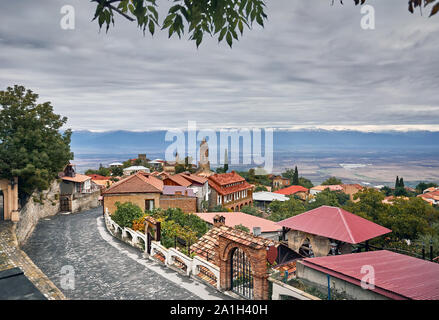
<point>331,181</point>
<point>387,191</point>
<point>223,19</point>
<point>32,146</point>
<point>252,211</point>
<point>126,213</point>
<point>286,209</point>
<point>305,183</point>
<point>260,188</point>
<point>187,166</point>
<point>399,187</point>
<point>117,171</point>
<point>288,174</point>
<point>295,177</point>
<point>420,187</point>
<point>328,198</point>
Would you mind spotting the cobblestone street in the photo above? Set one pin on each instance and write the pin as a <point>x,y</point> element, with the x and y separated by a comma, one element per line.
<point>11,256</point>
<point>104,268</point>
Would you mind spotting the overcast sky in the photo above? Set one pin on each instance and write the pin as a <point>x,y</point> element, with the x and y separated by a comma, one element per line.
<point>311,66</point>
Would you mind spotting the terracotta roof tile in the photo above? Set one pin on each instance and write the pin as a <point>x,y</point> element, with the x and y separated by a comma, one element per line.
<point>220,183</point>
<point>291,190</point>
<point>194,177</point>
<point>77,178</point>
<point>136,183</point>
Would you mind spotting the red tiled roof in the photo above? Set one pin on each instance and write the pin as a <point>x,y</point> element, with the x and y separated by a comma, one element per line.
<point>194,177</point>
<point>77,178</point>
<point>335,223</point>
<point>98,177</point>
<point>206,245</point>
<point>237,218</point>
<point>180,180</point>
<point>396,276</point>
<point>136,183</point>
<point>291,190</point>
<point>430,195</point>
<point>219,182</point>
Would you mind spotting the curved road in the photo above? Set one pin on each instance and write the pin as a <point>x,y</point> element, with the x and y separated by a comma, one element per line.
<point>104,267</point>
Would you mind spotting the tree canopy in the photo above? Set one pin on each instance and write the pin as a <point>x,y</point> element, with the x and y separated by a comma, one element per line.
<point>331,181</point>
<point>31,144</point>
<point>223,19</point>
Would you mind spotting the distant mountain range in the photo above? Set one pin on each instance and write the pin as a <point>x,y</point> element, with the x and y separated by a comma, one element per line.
<point>128,142</point>
<point>352,155</point>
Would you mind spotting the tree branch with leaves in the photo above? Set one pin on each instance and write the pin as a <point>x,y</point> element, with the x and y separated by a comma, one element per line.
<point>223,19</point>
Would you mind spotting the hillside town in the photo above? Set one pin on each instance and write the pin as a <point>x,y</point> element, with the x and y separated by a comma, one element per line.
<point>218,158</point>
<point>262,236</point>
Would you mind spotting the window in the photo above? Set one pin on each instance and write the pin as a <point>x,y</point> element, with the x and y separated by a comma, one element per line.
<point>149,204</point>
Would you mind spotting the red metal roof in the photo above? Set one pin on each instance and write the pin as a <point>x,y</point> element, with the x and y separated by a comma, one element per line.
<point>335,223</point>
<point>397,276</point>
<point>291,190</point>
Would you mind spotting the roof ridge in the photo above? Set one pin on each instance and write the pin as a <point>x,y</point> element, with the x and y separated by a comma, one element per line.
<point>118,183</point>
<point>346,224</point>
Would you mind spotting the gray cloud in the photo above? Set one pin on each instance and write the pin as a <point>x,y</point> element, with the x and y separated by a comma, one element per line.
<point>312,65</point>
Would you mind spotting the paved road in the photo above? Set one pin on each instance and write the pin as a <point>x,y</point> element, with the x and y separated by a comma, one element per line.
<point>104,267</point>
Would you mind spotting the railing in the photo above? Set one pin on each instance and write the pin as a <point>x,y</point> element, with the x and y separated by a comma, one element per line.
<point>196,267</point>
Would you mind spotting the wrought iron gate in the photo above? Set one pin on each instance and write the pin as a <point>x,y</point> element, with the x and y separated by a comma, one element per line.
<point>65,204</point>
<point>241,274</point>
<point>148,242</point>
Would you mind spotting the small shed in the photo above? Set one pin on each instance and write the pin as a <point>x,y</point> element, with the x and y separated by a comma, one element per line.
<point>328,230</point>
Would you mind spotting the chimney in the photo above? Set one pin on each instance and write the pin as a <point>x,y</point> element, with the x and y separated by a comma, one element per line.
<point>219,221</point>
<point>256,231</point>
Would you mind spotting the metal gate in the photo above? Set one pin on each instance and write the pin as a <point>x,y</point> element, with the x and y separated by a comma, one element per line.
<point>148,242</point>
<point>2,206</point>
<point>241,274</point>
<point>65,204</point>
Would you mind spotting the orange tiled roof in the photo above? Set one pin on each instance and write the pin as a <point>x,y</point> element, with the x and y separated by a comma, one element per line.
<point>220,183</point>
<point>291,190</point>
<point>77,178</point>
<point>430,195</point>
<point>206,246</point>
<point>136,183</point>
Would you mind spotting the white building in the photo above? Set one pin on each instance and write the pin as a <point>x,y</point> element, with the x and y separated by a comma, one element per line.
<point>133,169</point>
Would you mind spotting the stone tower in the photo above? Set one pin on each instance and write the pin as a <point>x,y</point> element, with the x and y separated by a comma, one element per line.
<point>204,163</point>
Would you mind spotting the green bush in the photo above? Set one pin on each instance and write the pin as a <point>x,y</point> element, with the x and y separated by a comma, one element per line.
<point>126,213</point>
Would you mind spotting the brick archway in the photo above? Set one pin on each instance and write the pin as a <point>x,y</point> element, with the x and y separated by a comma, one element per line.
<point>257,255</point>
